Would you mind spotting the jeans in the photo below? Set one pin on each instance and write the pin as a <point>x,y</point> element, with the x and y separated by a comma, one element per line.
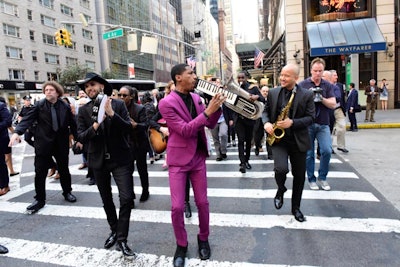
<point>322,134</point>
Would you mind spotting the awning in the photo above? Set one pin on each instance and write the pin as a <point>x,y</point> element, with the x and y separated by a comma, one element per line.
<point>345,37</point>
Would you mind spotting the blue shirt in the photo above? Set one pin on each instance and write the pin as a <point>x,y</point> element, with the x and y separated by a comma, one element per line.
<point>322,113</point>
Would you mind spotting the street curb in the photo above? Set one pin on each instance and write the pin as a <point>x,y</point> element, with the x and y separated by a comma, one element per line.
<point>376,125</point>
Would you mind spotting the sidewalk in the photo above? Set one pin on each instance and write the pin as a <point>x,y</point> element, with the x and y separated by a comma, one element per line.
<point>373,150</point>
<point>383,119</point>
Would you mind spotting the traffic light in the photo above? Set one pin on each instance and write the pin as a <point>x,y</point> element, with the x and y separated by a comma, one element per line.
<point>63,37</point>
<point>58,37</point>
<point>67,38</point>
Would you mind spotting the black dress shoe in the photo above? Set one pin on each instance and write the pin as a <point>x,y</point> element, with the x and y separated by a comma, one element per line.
<point>242,168</point>
<point>70,197</point>
<point>13,174</point>
<point>92,181</point>
<point>278,201</point>
<point>122,246</point>
<point>180,255</point>
<point>224,156</point>
<point>204,249</point>
<point>145,196</point>
<point>344,150</point>
<point>219,159</point>
<point>3,250</point>
<point>36,205</point>
<point>257,151</point>
<point>298,215</point>
<point>248,166</point>
<point>188,210</point>
<point>110,241</point>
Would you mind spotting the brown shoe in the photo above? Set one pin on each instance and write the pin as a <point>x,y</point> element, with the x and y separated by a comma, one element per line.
<point>4,190</point>
<point>82,166</point>
<point>51,172</point>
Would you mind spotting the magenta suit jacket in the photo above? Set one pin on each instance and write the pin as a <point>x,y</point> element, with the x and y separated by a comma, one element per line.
<point>183,130</point>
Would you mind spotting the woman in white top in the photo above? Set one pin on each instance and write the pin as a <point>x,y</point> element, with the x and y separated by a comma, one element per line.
<point>384,95</point>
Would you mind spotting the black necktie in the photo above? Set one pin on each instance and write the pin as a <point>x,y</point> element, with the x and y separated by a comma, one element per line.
<point>54,118</point>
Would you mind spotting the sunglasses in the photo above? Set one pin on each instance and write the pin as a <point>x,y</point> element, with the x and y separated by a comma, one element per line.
<point>123,95</point>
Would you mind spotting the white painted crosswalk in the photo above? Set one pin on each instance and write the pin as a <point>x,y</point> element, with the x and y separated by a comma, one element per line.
<point>60,254</point>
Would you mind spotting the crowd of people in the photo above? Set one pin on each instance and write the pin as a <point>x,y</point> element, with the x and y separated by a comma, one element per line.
<point>110,128</point>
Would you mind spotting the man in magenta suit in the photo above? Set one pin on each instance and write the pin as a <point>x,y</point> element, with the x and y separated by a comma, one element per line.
<point>186,117</point>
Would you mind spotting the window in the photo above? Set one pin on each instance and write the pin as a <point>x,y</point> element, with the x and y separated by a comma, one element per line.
<point>48,21</point>
<point>70,28</point>
<point>72,61</point>
<point>51,59</point>
<point>13,52</point>
<point>90,64</point>
<point>32,35</point>
<point>88,49</point>
<point>47,3</point>
<point>29,12</point>
<point>11,30</point>
<point>15,74</point>
<point>72,47</point>
<point>49,39</point>
<point>51,76</point>
<point>36,74</point>
<point>34,56</point>
<point>332,10</point>
<point>8,8</point>
<point>85,3</point>
<point>87,34</point>
<point>66,10</point>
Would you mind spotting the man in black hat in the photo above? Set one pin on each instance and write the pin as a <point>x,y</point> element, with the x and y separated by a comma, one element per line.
<point>28,135</point>
<point>55,122</point>
<point>108,153</point>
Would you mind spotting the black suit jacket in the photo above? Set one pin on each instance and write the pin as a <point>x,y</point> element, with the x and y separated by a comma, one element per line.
<point>111,137</point>
<point>5,122</point>
<point>45,138</point>
<point>303,114</point>
<point>138,135</point>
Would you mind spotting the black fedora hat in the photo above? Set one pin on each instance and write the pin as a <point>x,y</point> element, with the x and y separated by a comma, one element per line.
<point>91,76</point>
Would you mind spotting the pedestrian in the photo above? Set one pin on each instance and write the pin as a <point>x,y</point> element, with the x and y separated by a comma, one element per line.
<point>339,113</point>
<point>384,95</point>
<point>351,105</point>
<point>108,153</point>
<point>30,132</point>
<point>324,101</point>
<point>55,122</point>
<point>264,92</point>
<point>220,132</point>
<point>295,143</point>
<point>244,126</point>
<point>137,137</point>
<point>372,92</point>
<point>186,117</point>
<point>5,123</point>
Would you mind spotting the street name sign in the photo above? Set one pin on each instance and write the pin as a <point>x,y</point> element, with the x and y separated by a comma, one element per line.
<point>113,34</point>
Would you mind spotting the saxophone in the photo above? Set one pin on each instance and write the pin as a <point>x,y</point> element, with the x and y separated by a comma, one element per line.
<point>279,132</point>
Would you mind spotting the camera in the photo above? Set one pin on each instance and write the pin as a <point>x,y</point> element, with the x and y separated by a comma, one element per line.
<point>317,93</point>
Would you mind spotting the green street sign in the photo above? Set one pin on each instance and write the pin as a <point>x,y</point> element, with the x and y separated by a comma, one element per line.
<point>113,34</point>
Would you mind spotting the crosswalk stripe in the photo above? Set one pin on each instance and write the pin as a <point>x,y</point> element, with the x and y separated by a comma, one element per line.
<point>77,256</point>
<point>215,192</point>
<point>223,174</point>
<point>367,225</point>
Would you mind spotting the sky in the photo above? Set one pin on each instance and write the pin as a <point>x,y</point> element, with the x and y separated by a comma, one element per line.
<point>245,19</point>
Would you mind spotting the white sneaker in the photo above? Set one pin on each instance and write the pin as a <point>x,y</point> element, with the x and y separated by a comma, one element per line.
<point>324,185</point>
<point>313,185</point>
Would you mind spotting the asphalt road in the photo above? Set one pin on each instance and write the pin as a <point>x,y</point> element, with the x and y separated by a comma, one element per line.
<point>355,224</point>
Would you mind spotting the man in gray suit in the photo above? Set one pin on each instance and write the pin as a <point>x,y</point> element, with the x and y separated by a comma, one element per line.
<point>296,141</point>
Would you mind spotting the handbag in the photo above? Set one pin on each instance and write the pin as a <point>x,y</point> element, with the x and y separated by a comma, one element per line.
<point>357,108</point>
<point>76,150</point>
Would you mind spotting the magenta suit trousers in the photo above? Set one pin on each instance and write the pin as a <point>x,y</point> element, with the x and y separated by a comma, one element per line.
<point>197,173</point>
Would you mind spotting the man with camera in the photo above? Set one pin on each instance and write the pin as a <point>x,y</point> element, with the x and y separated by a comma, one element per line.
<point>324,100</point>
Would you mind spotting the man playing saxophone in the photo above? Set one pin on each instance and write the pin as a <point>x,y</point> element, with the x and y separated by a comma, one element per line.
<point>289,109</point>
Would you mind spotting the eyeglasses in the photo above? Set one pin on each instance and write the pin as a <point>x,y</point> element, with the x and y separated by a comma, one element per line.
<point>122,95</point>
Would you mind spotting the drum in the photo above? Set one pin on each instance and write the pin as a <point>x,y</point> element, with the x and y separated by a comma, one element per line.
<point>98,111</point>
